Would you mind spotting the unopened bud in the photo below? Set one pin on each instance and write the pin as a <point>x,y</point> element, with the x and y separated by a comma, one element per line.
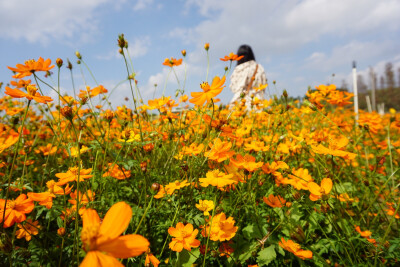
<point>207,46</point>
<point>61,231</point>
<point>69,64</point>
<point>121,41</point>
<point>155,187</point>
<point>67,112</point>
<point>285,94</point>
<point>109,115</point>
<point>183,52</point>
<point>59,62</point>
<point>78,55</point>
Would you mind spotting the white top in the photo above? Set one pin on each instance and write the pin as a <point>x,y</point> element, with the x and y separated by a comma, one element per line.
<point>241,77</point>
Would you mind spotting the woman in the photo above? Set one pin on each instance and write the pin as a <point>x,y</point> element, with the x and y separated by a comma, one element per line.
<point>245,70</point>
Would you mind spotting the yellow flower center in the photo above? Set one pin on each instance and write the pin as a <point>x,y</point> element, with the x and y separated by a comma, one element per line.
<point>74,170</point>
<point>205,86</point>
<point>89,237</point>
<point>29,62</point>
<point>11,204</point>
<point>31,89</point>
<point>50,185</point>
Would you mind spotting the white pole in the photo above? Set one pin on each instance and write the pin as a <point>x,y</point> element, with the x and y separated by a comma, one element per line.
<point>373,89</point>
<point>355,92</point>
<point>368,103</point>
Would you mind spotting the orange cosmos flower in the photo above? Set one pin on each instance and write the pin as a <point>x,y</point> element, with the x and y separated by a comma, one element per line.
<point>6,143</point>
<point>217,178</point>
<point>336,146</point>
<point>299,179</point>
<point>184,237</point>
<point>205,206</point>
<point>158,102</point>
<point>102,241</point>
<point>274,201</point>
<point>220,151</point>
<point>232,57</point>
<point>117,172</point>
<point>46,150</point>
<point>150,258</point>
<point>208,91</point>
<point>44,198</point>
<point>31,94</point>
<point>171,187</point>
<point>247,162</point>
<point>52,187</point>
<point>366,233</point>
<point>326,89</point>
<point>340,98</point>
<point>256,146</point>
<point>193,149</point>
<point>15,210</point>
<point>30,228</point>
<point>31,66</point>
<point>274,166</point>
<point>20,83</point>
<point>72,175</point>
<point>98,90</point>
<point>320,191</point>
<point>295,249</point>
<point>222,228</point>
<point>260,88</point>
<point>172,62</point>
<point>84,198</point>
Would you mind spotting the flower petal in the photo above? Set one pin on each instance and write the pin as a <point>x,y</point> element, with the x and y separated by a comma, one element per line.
<point>96,258</point>
<point>90,217</point>
<point>125,246</point>
<point>116,221</point>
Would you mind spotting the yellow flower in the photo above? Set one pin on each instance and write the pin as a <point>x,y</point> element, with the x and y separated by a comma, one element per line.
<point>222,228</point>
<point>295,249</point>
<point>209,92</point>
<point>30,228</point>
<point>102,240</point>
<point>184,237</point>
<point>205,206</point>
<point>217,178</point>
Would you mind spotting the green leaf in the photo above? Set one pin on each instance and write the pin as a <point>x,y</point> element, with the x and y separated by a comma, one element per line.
<point>266,255</point>
<point>186,259</point>
<point>251,231</point>
<point>245,251</point>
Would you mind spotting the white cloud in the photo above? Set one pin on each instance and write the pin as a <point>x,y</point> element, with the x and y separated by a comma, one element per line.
<point>343,55</point>
<point>139,47</point>
<point>44,20</point>
<point>280,28</point>
<point>136,48</point>
<point>143,4</point>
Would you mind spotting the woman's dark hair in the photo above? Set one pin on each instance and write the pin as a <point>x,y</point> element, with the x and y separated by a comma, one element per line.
<point>246,52</point>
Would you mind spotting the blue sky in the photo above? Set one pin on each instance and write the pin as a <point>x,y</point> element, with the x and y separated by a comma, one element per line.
<point>299,43</point>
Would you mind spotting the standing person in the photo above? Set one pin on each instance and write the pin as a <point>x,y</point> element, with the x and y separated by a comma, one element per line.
<point>247,69</point>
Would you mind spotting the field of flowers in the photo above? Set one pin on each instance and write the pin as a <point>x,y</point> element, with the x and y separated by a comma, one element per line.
<point>281,183</point>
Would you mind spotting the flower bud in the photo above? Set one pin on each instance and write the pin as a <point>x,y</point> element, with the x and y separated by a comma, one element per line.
<point>78,55</point>
<point>67,112</point>
<point>285,94</point>
<point>59,62</point>
<point>61,231</point>
<point>155,187</point>
<point>69,64</point>
<point>207,46</point>
<point>183,52</point>
<point>121,41</point>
